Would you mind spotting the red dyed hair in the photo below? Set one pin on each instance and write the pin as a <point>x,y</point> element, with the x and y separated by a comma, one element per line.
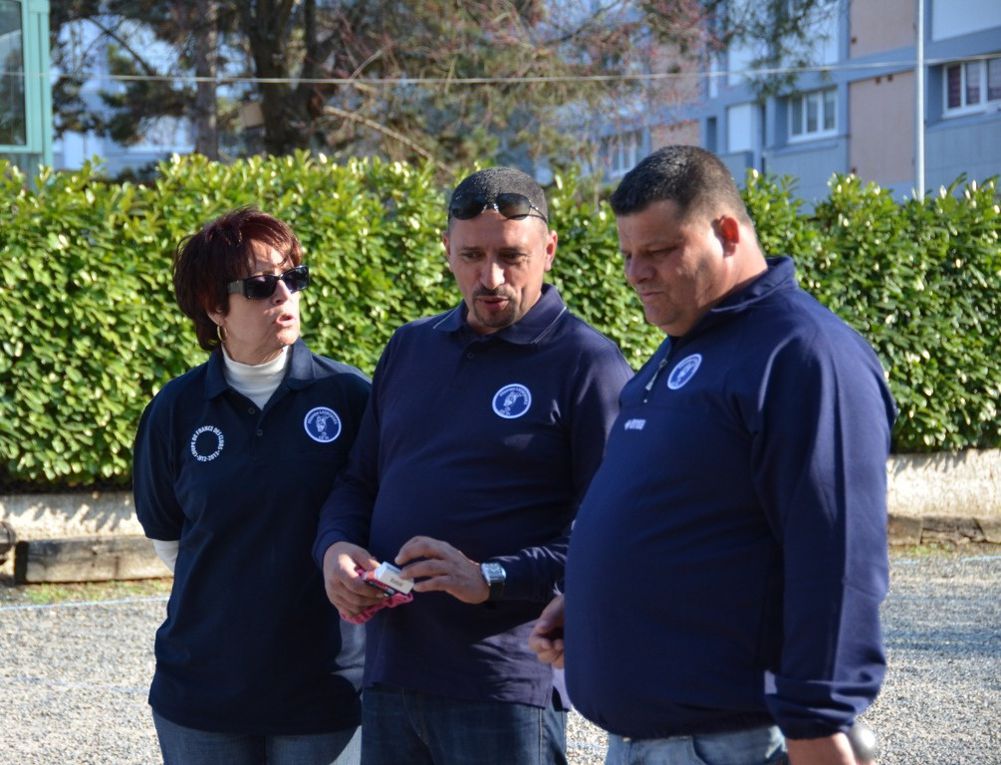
<point>206,262</point>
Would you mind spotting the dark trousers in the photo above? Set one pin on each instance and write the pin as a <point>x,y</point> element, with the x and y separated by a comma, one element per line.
<point>188,746</point>
<point>400,726</point>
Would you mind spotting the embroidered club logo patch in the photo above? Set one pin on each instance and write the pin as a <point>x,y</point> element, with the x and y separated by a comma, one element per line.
<point>684,371</point>
<point>207,443</point>
<point>512,401</point>
<point>322,424</point>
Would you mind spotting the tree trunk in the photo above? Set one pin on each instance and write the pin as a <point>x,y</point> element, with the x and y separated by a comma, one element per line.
<point>286,119</point>
<point>285,109</point>
<point>206,33</point>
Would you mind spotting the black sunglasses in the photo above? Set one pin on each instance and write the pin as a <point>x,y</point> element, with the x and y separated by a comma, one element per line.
<point>510,205</point>
<point>264,285</point>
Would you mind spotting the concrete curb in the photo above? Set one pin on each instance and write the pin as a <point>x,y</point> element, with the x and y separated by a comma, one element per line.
<point>937,529</point>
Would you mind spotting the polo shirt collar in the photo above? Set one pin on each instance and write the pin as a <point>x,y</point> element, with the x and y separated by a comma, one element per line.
<point>531,328</point>
<point>299,372</point>
<point>780,275</point>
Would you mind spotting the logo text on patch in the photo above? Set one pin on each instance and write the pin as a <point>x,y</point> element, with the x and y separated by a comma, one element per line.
<point>207,443</point>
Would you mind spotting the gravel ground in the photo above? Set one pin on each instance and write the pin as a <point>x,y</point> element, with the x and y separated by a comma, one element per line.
<point>73,676</point>
<point>942,699</point>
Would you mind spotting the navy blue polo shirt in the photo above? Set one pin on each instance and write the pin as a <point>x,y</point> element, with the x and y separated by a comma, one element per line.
<point>250,643</point>
<point>487,442</point>
<point>728,562</point>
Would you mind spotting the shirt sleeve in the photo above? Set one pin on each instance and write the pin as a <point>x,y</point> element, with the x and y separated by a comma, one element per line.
<point>166,550</point>
<point>820,468</point>
<point>154,474</point>
<point>346,514</point>
<point>533,573</point>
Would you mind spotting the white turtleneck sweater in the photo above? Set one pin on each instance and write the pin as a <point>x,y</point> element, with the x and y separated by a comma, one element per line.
<point>255,381</point>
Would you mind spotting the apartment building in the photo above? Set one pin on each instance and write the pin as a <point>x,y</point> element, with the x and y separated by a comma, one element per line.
<point>855,111</point>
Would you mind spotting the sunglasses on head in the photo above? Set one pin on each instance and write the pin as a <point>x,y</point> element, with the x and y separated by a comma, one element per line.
<point>264,285</point>
<point>510,205</point>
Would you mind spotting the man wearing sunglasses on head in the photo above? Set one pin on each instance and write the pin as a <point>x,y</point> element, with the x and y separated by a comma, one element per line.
<point>484,428</point>
<point>232,461</point>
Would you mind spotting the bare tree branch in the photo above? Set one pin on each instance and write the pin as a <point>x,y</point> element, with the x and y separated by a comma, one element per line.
<point>122,43</point>
<point>395,135</point>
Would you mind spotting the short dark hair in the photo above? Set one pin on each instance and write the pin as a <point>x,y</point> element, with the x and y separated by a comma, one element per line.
<point>492,181</point>
<point>692,178</point>
<point>206,262</point>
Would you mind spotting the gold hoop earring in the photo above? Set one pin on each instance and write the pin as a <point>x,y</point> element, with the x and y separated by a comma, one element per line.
<point>220,334</point>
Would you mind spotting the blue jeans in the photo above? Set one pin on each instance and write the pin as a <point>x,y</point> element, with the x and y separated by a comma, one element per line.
<point>401,726</point>
<point>188,746</point>
<point>757,746</point>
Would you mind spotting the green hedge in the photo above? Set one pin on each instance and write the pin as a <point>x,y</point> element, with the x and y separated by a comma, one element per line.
<point>921,281</point>
<point>89,330</point>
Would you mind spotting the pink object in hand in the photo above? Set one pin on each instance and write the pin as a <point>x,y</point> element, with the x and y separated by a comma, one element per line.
<point>394,599</point>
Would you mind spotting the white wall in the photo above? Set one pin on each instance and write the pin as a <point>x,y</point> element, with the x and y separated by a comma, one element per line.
<point>951,18</point>
<point>160,138</point>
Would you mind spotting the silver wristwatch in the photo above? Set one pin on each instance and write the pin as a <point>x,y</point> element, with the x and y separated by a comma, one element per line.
<point>495,576</point>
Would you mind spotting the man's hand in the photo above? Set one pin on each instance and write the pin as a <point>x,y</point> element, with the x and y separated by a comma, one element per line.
<point>829,750</point>
<point>345,587</point>
<point>547,634</point>
<point>442,568</point>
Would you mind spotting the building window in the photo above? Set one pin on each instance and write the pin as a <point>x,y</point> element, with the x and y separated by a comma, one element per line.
<point>739,127</point>
<point>12,108</point>
<point>712,139</point>
<point>813,115</point>
<point>971,85</point>
<point>622,152</point>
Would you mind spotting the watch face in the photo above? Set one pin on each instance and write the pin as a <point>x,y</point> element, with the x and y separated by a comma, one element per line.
<point>494,572</point>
